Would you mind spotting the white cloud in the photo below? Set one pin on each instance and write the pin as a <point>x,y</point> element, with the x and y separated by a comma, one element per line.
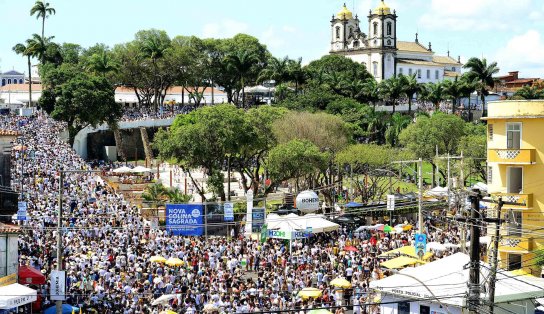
<point>523,53</point>
<point>478,15</point>
<point>273,38</point>
<point>224,29</point>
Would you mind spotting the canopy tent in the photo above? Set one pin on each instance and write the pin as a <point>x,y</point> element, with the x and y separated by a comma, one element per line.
<point>66,309</point>
<point>30,275</point>
<point>483,240</point>
<point>353,205</point>
<point>288,222</point>
<point>405,250</point>
<point>292,222</point>
<point>140,169</point>
<point>449,277</point>
<point>400,262</point>
<point>165,298</point>
<point>438,192</point>
<point>479,186</point>
<point>15,295</point>
<point>318,223</point>
<point>436,246</point>
<point>123,169</point>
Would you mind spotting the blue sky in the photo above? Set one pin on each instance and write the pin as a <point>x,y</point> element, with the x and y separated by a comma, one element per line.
<point>507,31</point>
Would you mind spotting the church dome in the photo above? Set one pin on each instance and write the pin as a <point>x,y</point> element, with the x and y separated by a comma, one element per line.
<point>382,9</point>
<point>344,13</point>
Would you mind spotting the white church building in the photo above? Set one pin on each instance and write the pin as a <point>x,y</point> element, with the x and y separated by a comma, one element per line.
<point>383,55</point>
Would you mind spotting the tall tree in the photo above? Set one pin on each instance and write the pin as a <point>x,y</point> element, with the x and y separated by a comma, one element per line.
<point>480,70</point>
<point>42,10</point>
<point>530,92</point>
<point>102,63</point>
<point>39,46</point>
<point>28,52</point>
<point>391,90</point>
<point>277,69</point>
<point>410,87</point>
<point>242,62</point>
<point>454,90</point>
<point>435,93</point>
<point>296,73</point>
<point>396,124</point>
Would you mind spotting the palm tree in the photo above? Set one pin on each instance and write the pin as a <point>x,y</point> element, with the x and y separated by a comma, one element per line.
<point>155,194</point>
<point>410,87</point>
<point>242,62</point>
<point>38,45</point>
<point>102,63</point>
<point>370,91</point>
<point>468,86</point>
<point>153,48</point>
<point>528,92</point>
<point>175,196</point>
<point>396,124</point>
<point>277,70</point>
<point>454,89</point>
<point>435,93</point>
<point>480,70</point>
<point>43,11</point>
<point>391,90</point>
<point>296,73</point>
<point>27,52</point>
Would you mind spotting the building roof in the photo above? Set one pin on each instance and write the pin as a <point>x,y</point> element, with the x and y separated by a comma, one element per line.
<point>20,88</point>
<point>419,62</point>
<point>410,46</point>
<point>447,279</point>
<point>345,13</point>
<point>382,9</point>
<point>445,60</point>
<point>12,72</point>
<point>452,74</point>
<point>522,81</point>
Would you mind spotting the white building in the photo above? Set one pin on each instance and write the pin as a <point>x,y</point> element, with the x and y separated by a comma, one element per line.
<point>382,53</point>
<point>11,77</point>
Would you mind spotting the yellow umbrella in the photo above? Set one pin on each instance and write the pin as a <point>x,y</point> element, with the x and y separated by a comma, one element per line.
<point>340,283</point>
<point>157,259</point>
<point>307,293</point>
<point>174,261</point>
<point>407,227</point>
<point>320,311</point>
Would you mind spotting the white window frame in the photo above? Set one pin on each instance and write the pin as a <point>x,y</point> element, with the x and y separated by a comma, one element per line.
<point>520,133</point>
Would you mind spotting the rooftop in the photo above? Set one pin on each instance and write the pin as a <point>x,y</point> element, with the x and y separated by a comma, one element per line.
<point>411,46</point>
<point>515,109</point>
<point>445,60</point>
<point>12,72</point>
<point>418,62</point>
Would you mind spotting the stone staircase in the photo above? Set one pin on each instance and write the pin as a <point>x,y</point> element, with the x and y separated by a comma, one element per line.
<point>147,145</point>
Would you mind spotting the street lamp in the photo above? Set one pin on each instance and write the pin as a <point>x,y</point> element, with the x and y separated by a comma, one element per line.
<point>58,303</point>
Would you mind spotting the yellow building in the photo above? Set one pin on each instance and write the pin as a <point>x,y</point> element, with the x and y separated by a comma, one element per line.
<point>515,156</point>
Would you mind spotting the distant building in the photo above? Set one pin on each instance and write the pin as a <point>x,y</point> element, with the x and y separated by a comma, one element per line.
<point>382,53</point>
<point>512,82</point>
<point>12,77</point>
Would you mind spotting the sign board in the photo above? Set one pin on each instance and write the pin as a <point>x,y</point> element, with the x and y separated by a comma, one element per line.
<point>278,234</point>
<point>390,202</point>
<point>307,202</point>
<point>155,223</point>
<point>21,211</point>
<point>299,235</point>
<point>228,209</point>
<point>420,244</point>
<point>58,285</point>
<point>185,219</point>
<point>8,280</point>
<point>257,219</point>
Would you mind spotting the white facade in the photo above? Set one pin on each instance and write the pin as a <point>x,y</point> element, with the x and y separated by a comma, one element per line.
<point>383,55</point>
<point>11,77</point>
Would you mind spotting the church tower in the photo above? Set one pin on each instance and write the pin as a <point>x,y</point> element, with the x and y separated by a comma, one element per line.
<point>345,31</point>
<point>382,38</point>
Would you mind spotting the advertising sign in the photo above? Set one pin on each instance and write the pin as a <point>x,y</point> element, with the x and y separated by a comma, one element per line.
<point>58,285</point>
<point>228,209</point>
<point>21,211</point>
<point>278,234</point>
<point>420,244</point>
<point>185,219</point>
<point>390,202</point>
<point>257,219</point>
<point>307,202</point>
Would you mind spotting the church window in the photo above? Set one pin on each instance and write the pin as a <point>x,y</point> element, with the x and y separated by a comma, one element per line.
<point>389,28</point>
<point>9,81</point>
<point>356,44</point>
<point>375,28</point>
<point>350,31</point>
<point>20,81</point>
<point>389,42</point>
<point>436,75</point>
<point>419,73</point>
<point>3,82</point>
<point>375,68</point>
<point>410,72</point>
<point>337,32</point>
<point>453,69</point>
<point>428,74</point>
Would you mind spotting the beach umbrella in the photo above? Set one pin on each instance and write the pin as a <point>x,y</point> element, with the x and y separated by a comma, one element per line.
<point>350,248</point>
<point>387,228</point>
<point>320,311</point>
<point>451,245</point>
<point>123,169</point>
<point>340,283</point>
<point>307,293</point>
<point>174,261</point>
<point>165,298</point>
<point>66,309</point>
<point>157,259</point>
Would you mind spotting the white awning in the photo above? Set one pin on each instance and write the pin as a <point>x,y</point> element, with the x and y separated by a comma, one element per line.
<point>15,295</point>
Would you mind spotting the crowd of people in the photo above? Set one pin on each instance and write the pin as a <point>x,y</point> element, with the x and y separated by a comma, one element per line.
<point>107,247</point>
<point>145,113</point>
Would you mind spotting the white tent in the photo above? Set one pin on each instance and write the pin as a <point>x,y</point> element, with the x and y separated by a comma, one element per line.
<point>317,223</point>
<point>446,279</point>
<point>165,298</point>
<point>15,295</point>
<point>123,169</point>
<point>285,223</point>
<point>140,169</point>
<point>438,191</point>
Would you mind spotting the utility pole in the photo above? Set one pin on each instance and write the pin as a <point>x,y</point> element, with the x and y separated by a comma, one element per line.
<point>58,303</point>
<point>474,265</point>
<point>494,258</point>
<point>420,197</point>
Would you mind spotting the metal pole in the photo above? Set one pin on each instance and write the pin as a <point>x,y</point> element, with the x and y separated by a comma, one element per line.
<point>474,274</point>
<point>494,258</point>
<point>58,303</point>
<point>206,221</point>
<point>420,198</point>
<point>228,180</point>
<point>448,183</point>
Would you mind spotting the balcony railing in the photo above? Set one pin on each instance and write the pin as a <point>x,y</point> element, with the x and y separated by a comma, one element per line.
<point>511,156</point>
<point>515,244</point>
<point>525,200</point>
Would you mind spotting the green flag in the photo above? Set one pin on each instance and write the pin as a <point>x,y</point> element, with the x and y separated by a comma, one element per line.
<point>264,233</point>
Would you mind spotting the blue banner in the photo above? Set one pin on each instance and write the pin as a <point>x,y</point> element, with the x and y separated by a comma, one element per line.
<point>21,211</point>
<point>420,244</point>
<point>228,209</point>
<point>185,219</point>
<point>257,221</point>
